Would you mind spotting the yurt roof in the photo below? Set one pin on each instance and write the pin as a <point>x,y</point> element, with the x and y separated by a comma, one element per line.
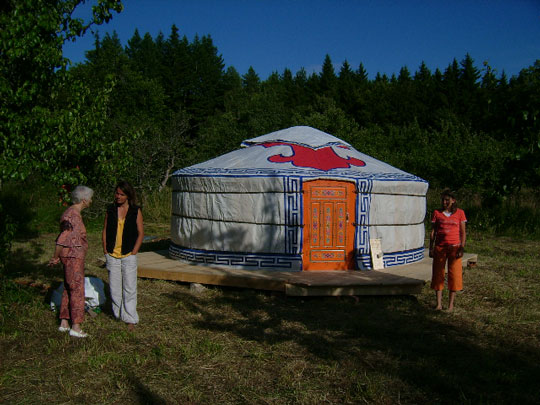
<point>298,151</point>
<point>301,135</point>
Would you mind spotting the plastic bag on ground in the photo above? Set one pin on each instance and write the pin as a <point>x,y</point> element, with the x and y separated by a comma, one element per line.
<point>94,293</point>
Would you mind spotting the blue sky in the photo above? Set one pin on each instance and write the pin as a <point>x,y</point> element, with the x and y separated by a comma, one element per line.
<point>271,35</point>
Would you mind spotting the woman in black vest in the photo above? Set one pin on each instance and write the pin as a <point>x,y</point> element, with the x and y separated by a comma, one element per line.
<point>122,237</point>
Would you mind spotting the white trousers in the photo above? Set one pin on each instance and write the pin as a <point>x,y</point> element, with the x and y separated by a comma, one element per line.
<point>123,285</point>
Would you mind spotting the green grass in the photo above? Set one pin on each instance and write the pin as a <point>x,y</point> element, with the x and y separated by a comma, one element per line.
<point>233,346</point>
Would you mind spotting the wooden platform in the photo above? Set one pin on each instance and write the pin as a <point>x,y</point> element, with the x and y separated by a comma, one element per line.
<point>397,280</point>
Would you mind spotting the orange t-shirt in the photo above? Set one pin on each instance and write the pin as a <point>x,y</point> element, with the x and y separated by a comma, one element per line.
<point>447,227</point>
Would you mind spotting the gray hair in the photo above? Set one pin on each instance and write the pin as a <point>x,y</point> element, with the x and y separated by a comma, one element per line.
<point>81,193</point>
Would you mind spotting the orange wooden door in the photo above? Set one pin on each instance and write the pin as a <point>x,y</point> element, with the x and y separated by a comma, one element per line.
<point>329,216</point>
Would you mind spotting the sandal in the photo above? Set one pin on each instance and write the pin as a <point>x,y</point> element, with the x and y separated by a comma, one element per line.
<point>79,334</point>
<point>64,329</point>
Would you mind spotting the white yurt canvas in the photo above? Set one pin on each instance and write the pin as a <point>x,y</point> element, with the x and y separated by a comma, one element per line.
<point>296,199</point>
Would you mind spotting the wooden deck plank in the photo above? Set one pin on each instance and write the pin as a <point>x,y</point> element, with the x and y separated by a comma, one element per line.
<point>397,280</point>
<point>295,290</point>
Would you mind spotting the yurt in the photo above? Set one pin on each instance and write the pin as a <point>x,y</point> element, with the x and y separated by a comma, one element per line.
<point>294,200</point>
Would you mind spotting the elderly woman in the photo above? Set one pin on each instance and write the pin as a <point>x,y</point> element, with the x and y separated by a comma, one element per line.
<point>71,247</point>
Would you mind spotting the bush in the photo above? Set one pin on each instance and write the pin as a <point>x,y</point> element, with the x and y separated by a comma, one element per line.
<point>515,216</point>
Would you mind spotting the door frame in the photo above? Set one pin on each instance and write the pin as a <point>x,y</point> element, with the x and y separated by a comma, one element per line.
<point>350,199</point>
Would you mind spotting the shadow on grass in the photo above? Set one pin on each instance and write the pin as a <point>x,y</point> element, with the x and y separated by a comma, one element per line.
<point>156,244</point>
<point>24,262</point>
<point>143,394</point>
<point>446,362</point>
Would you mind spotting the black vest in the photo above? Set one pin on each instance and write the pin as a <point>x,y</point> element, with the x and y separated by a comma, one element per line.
<point>130,233</point>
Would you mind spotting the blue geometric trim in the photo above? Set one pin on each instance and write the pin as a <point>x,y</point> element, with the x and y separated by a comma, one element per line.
<point>250,144</point>
<point>363,203</point>
<point>262,172</point>
<point>363,261</point>
<point>392,259</point>
<point>292,187</point>
<point>248,261</point>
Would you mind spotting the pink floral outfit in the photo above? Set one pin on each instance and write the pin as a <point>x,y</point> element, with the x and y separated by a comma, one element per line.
<point>74,244</point>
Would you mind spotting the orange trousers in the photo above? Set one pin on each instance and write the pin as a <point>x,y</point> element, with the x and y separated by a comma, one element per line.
<point>442,254</point>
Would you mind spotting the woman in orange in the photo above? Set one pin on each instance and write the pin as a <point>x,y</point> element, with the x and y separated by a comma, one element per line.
<point>71,248</point>
<point>446,244</point>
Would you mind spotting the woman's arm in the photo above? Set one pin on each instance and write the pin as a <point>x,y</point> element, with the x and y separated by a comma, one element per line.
<point>65,239</point>
<point>462,238</point>
<point>104,235</point>
<point>140,230</point>
<point>56,257</point>
<point>463,233</point>
<point>432,237</point>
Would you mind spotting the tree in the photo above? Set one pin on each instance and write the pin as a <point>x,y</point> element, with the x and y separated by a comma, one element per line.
<point>450,88</point>
<point>325,115</point>
<point>108,58</point>
<point>251,81</point>
<point>468,74</point>
<point>404,75</point>
<point>301,88</point>
<point>291,94</point>
<point>144,55</point>
<point>33,80</point>
<point>43,111</point>
<point>468,88</point>
<point>347,88</point>
<point>524,131</point>
<point>422,75</point>
<point>488,96</point>
<point>232,82</point>
<point>177,69</point>
<point>328,78</point>
<point>377,99</point>
<point>362,74</point>
<point>138,106</point>
<point>424,93</point>
<point>404,105</point>
<point>206,95</point>
<point>160,150</point>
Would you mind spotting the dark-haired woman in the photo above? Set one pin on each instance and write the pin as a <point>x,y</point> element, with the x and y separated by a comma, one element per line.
<point>122,237</point>
<point>446,244</point>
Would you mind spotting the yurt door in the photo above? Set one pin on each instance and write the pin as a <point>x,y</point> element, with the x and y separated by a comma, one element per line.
<point>329,217</point>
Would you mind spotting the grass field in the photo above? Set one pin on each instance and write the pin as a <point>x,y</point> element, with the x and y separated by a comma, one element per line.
<point>232,346</point>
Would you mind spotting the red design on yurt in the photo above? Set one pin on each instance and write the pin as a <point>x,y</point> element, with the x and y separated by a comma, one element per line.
<point>324,158</point>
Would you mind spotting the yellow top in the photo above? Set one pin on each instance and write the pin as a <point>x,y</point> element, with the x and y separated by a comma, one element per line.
<point>117,252</point>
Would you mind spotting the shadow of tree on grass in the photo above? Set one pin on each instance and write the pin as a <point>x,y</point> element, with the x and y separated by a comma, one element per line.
<point>446,361</point>
<point>25,262</point>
